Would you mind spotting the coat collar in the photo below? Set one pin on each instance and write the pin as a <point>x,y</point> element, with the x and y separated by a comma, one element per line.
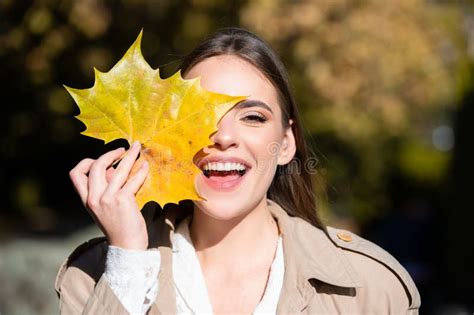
<point>310,251</point>
<point>308,254</point>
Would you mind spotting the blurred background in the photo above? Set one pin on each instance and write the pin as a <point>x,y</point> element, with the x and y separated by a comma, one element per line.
<point>386,90</point>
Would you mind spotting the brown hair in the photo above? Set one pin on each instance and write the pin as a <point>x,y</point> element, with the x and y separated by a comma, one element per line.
<point>291,187</point>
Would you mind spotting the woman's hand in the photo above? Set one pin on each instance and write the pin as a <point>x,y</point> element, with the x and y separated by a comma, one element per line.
<point>109,196</point>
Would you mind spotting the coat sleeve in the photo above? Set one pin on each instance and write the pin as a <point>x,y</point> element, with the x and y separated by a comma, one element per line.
<point>81,286</point>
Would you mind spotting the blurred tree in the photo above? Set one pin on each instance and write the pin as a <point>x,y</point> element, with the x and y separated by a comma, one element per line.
<point>375,79</point>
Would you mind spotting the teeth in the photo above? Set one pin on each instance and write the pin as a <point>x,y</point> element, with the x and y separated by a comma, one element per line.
<point>228,166</point>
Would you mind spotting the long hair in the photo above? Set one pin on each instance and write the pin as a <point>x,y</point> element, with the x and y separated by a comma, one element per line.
<point>291,187</point>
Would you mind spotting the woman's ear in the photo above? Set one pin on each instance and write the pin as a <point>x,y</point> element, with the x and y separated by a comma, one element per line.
<point>288,146</point>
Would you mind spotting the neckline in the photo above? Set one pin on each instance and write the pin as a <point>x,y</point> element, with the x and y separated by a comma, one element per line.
<point>189,277</point>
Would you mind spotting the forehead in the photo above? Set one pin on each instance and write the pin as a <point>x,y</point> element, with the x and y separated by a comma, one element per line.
<point>229,74</point>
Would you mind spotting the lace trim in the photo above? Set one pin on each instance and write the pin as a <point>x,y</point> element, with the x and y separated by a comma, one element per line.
<point>133,277</point>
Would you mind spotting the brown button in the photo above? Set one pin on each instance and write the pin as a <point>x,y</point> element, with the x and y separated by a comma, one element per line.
<point>344,236</point>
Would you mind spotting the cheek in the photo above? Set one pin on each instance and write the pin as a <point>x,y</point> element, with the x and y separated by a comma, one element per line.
<point>264,145</point>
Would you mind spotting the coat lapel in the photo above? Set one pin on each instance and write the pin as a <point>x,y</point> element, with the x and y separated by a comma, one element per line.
<point>308,254</point>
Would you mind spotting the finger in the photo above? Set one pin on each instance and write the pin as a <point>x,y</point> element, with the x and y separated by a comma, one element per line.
<point>79,178</point>
<point>109,173</point>
<point>97,181</point>
<point>133,184</point>
<point>124,168</point>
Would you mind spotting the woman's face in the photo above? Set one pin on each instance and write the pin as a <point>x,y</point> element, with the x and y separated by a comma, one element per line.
<point>249,144</point>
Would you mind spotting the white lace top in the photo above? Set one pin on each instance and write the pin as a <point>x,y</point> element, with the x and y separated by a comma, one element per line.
<point>133,277</point>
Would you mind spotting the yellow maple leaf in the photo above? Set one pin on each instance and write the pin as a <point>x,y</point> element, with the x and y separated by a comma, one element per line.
<point>172,118</point>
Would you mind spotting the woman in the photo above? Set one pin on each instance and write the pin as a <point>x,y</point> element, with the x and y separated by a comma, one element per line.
<point>255,244</point>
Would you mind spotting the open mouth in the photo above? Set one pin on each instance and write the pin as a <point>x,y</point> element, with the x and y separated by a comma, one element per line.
<point>225,170</point>
<point>224,176</point>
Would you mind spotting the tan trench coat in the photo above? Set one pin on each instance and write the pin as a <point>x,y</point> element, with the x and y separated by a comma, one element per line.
<point>333,273</point>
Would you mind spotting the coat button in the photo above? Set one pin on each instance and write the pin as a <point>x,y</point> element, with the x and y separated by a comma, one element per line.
<point>344,236</point>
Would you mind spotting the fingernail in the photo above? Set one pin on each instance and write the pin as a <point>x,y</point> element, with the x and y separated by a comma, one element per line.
<point>136,144</point>
<point>145,164</point>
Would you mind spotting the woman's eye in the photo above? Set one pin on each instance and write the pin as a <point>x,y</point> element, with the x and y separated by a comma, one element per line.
<point>254,118</point>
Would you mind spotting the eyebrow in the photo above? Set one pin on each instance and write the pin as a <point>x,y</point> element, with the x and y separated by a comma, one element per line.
<point>252,103</point>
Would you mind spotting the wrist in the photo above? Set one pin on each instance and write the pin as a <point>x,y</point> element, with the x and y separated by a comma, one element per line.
<point>130,244</point>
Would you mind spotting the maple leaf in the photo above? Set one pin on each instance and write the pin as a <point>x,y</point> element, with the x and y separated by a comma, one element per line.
<point>172,118</point>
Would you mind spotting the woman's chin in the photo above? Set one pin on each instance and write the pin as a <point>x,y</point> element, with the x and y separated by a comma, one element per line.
<point>230,202</point>
<point>219,203</point>
<point>221,209</point>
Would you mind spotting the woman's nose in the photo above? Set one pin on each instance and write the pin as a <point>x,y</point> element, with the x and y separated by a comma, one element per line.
<point>226,134</point>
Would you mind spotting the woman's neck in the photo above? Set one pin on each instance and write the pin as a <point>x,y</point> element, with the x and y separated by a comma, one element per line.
<point>243,241</point>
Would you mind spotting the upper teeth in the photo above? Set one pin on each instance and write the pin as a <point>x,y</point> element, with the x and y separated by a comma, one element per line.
<point>217,166</point>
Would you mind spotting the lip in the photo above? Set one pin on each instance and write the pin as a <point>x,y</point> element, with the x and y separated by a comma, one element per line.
<point>227,186</point>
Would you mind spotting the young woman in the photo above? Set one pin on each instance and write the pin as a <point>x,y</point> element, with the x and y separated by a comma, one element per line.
<point>255,244</point>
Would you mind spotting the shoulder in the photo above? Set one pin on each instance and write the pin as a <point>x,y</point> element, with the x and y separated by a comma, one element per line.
<point>83,267</point>
<point>383,277</point>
